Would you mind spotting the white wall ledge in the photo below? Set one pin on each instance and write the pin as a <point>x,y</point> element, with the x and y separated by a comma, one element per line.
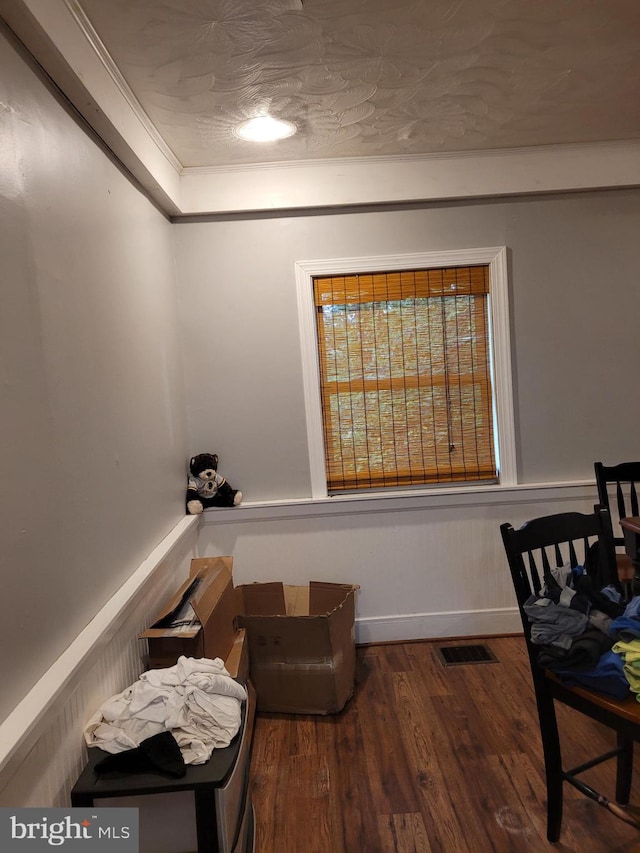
<point>431,499</point>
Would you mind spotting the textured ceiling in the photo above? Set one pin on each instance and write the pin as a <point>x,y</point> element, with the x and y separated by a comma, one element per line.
<point>376,77</point>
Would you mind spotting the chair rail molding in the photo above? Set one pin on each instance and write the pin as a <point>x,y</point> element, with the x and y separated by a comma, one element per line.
<point>106,655</point>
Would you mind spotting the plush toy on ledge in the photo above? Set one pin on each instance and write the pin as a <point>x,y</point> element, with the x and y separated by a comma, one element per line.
<point>206,487</point>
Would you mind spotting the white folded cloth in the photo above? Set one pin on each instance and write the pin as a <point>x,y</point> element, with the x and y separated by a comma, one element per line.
<point>196,700</point>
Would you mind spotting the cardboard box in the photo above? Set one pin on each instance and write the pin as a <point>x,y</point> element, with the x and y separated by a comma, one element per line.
<point>237,661</point>
<point>301,645</point>
<point>199,621</point>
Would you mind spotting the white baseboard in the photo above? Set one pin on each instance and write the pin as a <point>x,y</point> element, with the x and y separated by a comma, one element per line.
<point>422,626</point>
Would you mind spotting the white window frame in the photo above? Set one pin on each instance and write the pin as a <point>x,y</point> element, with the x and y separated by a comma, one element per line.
<point>496,258</point>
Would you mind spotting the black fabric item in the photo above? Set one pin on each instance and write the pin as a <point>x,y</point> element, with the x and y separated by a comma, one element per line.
<point>593,566</point>
<point>585,652</point>
<point>158,753</point>
<point>163,751</point>
<point>130,761</point>
<point>584,585</point>
<point>553,591</point>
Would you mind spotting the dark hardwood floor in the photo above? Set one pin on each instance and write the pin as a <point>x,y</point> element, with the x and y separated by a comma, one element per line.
<point>428,758</point>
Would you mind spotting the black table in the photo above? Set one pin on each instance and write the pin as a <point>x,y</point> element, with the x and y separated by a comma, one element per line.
<point>226,772</point>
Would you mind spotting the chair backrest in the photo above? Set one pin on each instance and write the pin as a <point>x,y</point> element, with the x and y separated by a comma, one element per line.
<point>554,541</point>
<point>624,481</point>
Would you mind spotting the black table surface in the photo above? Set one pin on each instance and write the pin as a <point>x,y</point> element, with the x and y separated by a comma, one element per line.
<point>117,784</point>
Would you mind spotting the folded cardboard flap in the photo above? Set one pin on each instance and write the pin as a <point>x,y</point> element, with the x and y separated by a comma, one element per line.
<point>237,661</point>
<point>215,574</point>
<point>296,600</point>
<point>203,591</point>
<point>261,599</point>
<point>210,631</point>
<point>301,644</point>
<point>327,597</point>
<point>210,564</point>
<point>319,598</point>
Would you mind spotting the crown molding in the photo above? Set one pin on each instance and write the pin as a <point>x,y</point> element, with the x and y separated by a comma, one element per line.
<point>62,41</point>
<point>105,58</point>
<point>57,38</point>
<point>609,148</point>
<point>410,179</point>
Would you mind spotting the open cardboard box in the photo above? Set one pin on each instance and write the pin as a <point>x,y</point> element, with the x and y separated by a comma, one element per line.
<point>199,621</point>
<point>296,643</point>
<point>301,645</point>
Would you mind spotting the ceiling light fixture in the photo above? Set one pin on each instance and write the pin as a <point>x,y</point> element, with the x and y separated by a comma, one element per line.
<point>265,129</point>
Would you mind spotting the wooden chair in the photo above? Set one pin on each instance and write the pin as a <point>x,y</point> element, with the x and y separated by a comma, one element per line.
<point>532,550</point>
<point>624,480</point>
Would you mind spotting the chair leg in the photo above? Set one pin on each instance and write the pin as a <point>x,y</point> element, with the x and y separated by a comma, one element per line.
<point>552,763</point>
<point>624,770</point>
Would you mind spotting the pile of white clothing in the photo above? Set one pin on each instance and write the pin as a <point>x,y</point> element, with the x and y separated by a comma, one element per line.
<point>196,700</point>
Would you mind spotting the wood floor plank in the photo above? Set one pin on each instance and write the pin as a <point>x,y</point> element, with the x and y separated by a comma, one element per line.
<point>311,833</point>
<point>428,758</point>
<point>428,669</point>
<point>353,824</point>
<point>513,719</point>
<point>302,739</point>
<point>404,833</point>
<point>385,757</point>
<point>487,816</point>
<point>269,757</point>
<point>439,805</point>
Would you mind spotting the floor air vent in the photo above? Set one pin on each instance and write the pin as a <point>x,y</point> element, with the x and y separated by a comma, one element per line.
<point>456,655</point>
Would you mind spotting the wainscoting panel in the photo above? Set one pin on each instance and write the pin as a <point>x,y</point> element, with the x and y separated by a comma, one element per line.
<point>428,565</point>
<point>41,742</point>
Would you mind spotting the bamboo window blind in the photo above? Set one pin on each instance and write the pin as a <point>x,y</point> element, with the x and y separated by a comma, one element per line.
<point>405,377</point>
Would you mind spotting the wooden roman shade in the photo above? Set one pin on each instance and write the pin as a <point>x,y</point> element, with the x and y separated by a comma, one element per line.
<point>405,377</point>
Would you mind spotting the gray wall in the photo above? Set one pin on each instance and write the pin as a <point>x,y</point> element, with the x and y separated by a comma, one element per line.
<point>91,391</point>
<point>92,399</point>
<point>575,304</point>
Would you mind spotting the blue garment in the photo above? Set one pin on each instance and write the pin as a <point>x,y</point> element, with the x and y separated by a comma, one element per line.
<point>612,593</point>
<point>625,628</point>
<point>632,610</point>
<point>606,677</point>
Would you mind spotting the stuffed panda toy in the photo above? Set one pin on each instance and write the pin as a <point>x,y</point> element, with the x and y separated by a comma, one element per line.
<point>206,487</point>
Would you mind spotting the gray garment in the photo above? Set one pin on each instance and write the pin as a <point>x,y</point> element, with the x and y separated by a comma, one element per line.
<point>206,488</point>
<point>600,620</point>
<point>562,574</point>
<point>552,624</point>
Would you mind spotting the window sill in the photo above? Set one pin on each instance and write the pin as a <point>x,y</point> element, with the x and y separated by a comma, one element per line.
<point>437,499</point>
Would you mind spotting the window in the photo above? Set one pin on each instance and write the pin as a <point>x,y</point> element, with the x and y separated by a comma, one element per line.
<point>400,371</point>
